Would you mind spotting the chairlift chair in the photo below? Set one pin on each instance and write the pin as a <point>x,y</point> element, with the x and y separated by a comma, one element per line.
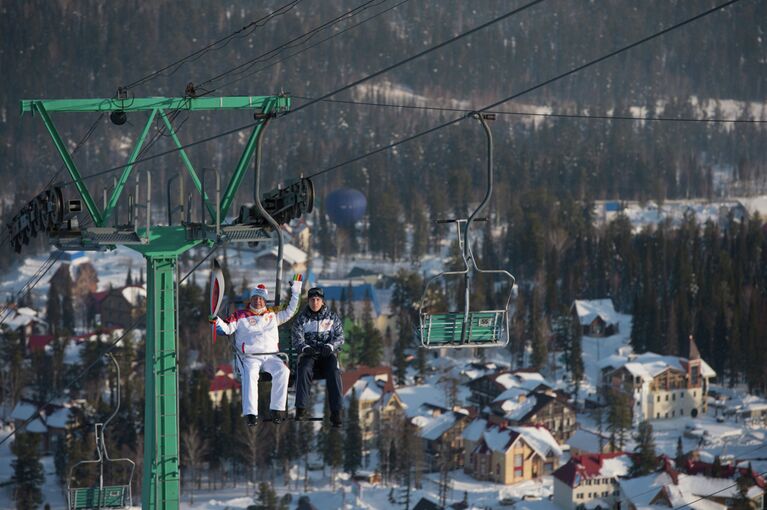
<point>469,328</point>
<point>102,494</point>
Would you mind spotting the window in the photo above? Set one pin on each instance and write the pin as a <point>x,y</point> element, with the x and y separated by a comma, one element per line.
<point>681,394</point>
<point>666,416</point>
<point>694,393</point>
<point>605,493</point>
<point>666,397</point>
<point>498,470</point>
<point>673,396</point>
<point>658,398</point>
<point>519,461</point>
<point>657,415</point>
<point>681,412</point>
<point>673,413</point>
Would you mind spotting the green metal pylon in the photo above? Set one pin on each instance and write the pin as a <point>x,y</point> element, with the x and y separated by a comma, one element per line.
<point>161,246</point>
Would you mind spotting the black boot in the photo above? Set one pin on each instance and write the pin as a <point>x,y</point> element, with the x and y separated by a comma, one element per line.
<point>252,420</point>
<point>277,416</point>
<point>300,414</point>
<point>335,419</point>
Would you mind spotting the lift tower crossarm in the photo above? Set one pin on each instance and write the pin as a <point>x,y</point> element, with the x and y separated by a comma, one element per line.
<point>153,103</point>
<point>264,106</point>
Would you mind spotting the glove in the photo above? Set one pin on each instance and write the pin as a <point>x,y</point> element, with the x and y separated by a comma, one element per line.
<point>212,319</point>
<point>295,286</point>
<point>326,350</point>
<point>308,350</point>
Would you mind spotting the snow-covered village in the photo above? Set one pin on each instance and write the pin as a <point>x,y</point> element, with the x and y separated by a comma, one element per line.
<point>370,255</point>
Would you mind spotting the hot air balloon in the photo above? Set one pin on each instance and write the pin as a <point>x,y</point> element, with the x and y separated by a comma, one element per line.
<point>345,206</point>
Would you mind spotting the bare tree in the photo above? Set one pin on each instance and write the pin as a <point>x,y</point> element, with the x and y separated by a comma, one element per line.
<point>195,449</point>
<point>249,453</point>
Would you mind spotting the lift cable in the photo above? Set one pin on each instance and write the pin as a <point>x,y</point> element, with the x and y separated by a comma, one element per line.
<point>223,42</point>
<point>545,115</point>
<point>314,45</point>
<point>30,284</point>
<point>243,67</point>
<point>518,94</point>
<point>253,124</point>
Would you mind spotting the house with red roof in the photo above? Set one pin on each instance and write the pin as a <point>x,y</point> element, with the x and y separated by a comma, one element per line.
<point>590,480</point>
<point>37,343</point>
<point>223,383</point>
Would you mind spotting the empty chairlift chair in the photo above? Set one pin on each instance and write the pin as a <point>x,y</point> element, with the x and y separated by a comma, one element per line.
<point>441,326</point>
<point>104,488</point>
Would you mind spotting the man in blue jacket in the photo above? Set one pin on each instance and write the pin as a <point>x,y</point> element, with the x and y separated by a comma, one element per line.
<point>317,335</point>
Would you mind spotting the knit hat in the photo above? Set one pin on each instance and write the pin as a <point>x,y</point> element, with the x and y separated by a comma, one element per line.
<point>260,291</point>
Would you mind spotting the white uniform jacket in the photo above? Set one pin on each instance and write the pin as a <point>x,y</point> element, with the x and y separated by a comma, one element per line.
<point>257,332</point>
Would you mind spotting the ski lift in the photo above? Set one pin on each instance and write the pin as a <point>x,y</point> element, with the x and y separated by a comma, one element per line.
<point>102,494</point>
<point>468,328</point>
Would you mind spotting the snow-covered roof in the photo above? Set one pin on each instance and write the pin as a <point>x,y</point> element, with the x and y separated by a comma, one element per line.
<point>23,411</point>
<point>25,310</point>
<point>649,364</point>
<point>473,432</point>
<point>18,321</point>
<point>588,310</point>
<point>367,389</point>
<point>133,294</point>
<point>291,253</point>
<point>515,410</point>
<point>437,425</point>
<point>640,490</point>
<point>59,418</point>
<point>540,440</point>
<point>413,397</point>
<point>36,426</point>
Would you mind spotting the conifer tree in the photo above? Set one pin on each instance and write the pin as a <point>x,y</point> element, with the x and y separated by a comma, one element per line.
<point>400,363</point>
<point>28,473</point>
<point>353,439</point>
<point>645,459</point>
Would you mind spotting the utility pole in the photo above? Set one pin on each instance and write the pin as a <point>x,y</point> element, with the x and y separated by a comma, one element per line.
<point>160,245</point>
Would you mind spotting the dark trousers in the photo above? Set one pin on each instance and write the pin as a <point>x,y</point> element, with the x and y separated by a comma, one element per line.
<point>322,367</point>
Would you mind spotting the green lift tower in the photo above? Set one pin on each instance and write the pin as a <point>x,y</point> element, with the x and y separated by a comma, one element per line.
<point>65,221</point>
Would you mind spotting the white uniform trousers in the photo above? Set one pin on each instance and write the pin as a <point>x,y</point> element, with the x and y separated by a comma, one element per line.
<point>250,368</point>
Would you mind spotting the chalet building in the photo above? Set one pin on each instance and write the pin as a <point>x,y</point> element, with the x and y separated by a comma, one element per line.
<point>661,386</point>
<point>223,383</point>
<point>24,320</point>
<point>487,388</point>
<point>596,317</point>
<point>294,259</point>
<point>590,480</point>
<point>669,488</point>
<point>53,423</point>
<point>549,409</point>
<point>117,307</point>
<point>441,437</point>
<point>508,455</point>
<point>379,404</point>
<point>337,291</point>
